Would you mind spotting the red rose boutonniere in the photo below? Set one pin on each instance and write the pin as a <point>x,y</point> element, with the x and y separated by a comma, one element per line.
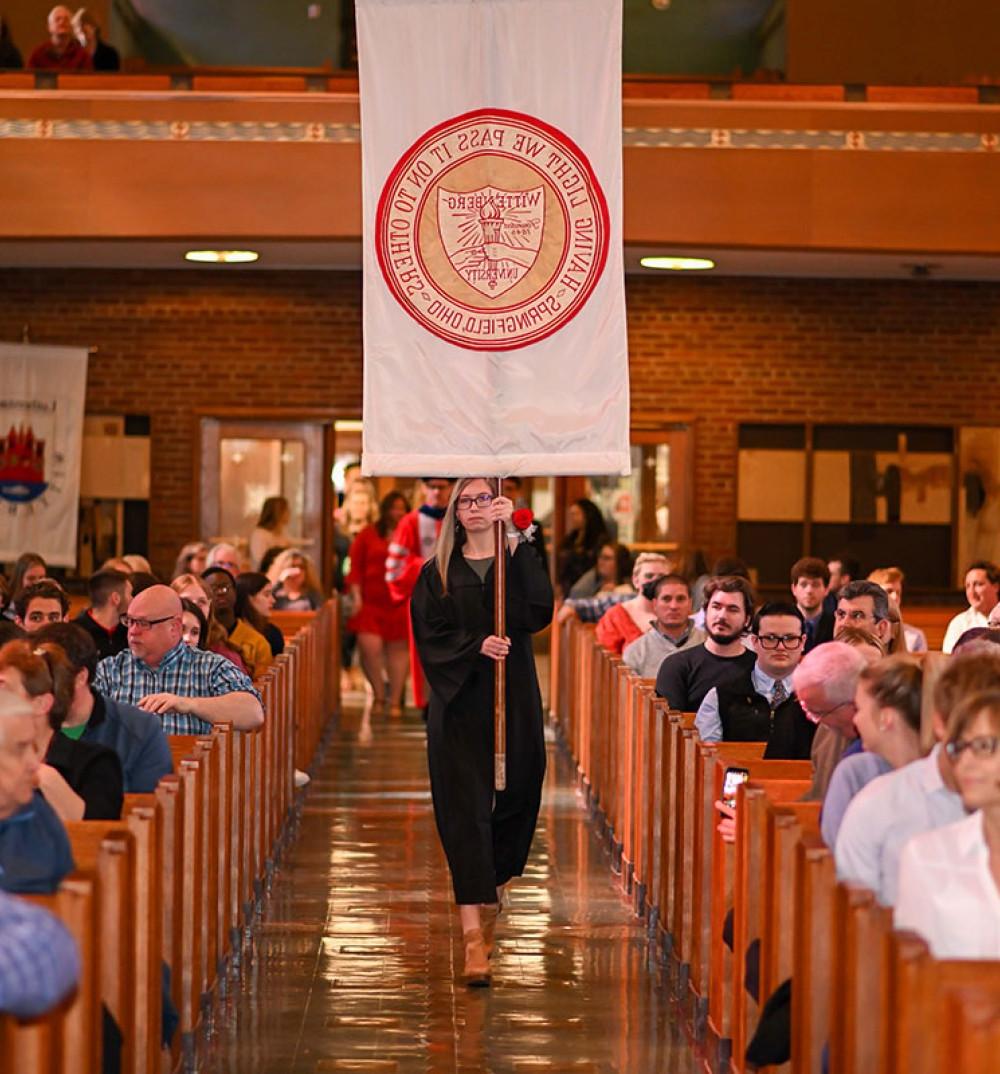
<point>522,518</point>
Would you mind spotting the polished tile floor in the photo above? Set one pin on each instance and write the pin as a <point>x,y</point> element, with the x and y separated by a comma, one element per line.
<point>355,965</point>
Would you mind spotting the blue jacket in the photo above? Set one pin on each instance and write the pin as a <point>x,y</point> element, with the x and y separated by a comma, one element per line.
<point>136,736</point>
<point>34,849</point>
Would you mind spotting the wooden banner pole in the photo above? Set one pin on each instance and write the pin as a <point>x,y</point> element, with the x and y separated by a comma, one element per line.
<point>500,629</point>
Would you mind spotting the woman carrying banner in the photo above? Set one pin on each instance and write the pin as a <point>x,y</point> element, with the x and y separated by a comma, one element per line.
<point>486,835</point>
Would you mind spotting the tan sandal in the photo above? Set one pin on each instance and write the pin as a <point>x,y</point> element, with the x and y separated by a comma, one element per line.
<point>477,966</point>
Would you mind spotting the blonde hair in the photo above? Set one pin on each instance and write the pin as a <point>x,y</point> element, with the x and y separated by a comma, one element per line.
<point>651,557</point>
<point>887,575</point>
<point>284,559</point>
<point>449,529</point>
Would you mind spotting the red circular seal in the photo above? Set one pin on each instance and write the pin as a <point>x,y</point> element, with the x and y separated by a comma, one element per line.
<point>492,230</point>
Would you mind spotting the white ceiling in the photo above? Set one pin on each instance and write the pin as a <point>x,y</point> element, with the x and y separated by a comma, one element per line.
<point>346,256</point>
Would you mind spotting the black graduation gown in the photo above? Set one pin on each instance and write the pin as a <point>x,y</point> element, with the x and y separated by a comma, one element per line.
<point>486,841</point>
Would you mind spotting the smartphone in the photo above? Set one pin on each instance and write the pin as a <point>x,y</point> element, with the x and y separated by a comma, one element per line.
<point>732,779</point>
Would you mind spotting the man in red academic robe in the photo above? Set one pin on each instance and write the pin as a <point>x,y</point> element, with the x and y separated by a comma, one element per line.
<point>411,545</point>
<point>62,51</point>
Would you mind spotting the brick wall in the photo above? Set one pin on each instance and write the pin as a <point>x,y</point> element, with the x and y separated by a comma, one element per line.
<point>728,350</point>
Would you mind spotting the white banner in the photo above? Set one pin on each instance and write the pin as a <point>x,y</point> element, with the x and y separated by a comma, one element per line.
<point>494,301</point>
<point>42,393</point>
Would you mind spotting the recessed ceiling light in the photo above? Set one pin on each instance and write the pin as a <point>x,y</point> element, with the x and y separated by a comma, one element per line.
<point>677,264</point>
<point>222,257</point>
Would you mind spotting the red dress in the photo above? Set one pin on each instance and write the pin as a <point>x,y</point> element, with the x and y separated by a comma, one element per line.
<point>379,614</point>
<point>616,629</point>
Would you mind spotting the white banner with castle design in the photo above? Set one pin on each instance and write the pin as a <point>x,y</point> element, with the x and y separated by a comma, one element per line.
<point>494,302</point>
<point>42,393</point>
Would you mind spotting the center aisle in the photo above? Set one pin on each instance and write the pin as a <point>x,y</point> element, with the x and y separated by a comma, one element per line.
<point>357,961</point>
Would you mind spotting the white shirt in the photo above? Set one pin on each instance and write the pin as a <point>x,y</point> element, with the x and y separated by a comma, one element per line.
<point>947,893</point>
<point>885,815</point>
<point>708,721</point>
<point>959,625</point>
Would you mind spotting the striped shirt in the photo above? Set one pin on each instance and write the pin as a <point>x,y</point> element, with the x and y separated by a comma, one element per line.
<point>184,671</point>
<point>39,962</point>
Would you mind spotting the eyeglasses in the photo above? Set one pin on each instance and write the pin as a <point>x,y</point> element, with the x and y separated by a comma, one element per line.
<point>144,624</point>
<point>856,616</point>
<point>818,717</point>
<point>980,746</point>
<point>786,641</point>
<point>466,503</point>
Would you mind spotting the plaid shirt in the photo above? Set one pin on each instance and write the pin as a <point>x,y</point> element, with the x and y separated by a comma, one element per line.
<point>184,671</point>
<point>590,609</point>
<point>39,963</point>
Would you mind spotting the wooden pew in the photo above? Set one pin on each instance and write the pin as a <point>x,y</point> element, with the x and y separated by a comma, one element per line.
<point>66,1040</point>
<point>749,892</point>
<point>735,884</point>
<point>812,953</point>
<point>787,824</point>
<point>108,850</point>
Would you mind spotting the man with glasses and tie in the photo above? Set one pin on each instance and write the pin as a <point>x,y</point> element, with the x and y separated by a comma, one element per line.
<point>763,707</point>
<point>190,689</point>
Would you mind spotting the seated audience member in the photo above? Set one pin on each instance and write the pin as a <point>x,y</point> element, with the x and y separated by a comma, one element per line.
<point>890,810</point>
<point>577,551</point>
<point>610,573</point>
<point>722,659</point>
<point>724,567</point>
<point>136,737</point>
<point>254,602</point>
<point>195,589</point>
<point>42,603</point>
<point>10,54</point>
<point>225,556</point>
<point>825,683</point>
<point>625,622</point>
<point>29,569</point>
<point>192,559</point>
<point>891,580</point>
<point>871,647</point>
<point>194,625</point>
<point>80,780</point>
<point>843,570</point>
<point>103,57</point>
<point>863,604</point>
<point>977,638</point>
<point>982,586</point>
<point>251,644</point>
<point>762,707</point>
<point>61,51</point>
<point>34,849</point>
<point>949,877</point>
<point>39,961</point>
<point>810,583</point>
<point>110,592</point>
<point>669,632</point>
<point>142,580</point>
<point>189,688</point>
<point>297,587</point>
<point>887,718</point>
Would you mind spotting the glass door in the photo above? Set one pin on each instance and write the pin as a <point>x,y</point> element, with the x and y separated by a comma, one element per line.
<point>243,461</point>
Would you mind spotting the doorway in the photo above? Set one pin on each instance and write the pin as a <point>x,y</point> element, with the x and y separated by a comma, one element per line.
<point>244,459</point>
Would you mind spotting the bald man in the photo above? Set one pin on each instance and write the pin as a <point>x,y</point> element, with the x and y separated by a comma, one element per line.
<point>189,689</point>
<point>62,51</point>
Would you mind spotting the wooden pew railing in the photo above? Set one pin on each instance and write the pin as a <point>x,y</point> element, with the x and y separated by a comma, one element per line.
<point>874,998</point>
<point>179,879</point>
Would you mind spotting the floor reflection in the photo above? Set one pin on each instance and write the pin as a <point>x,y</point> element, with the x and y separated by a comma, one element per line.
<point>355,967</point>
